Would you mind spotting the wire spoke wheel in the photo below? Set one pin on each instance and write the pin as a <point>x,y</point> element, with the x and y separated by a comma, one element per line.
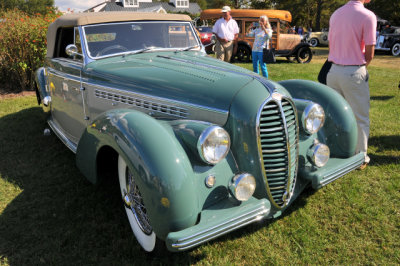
<point>137,205</point>
<point>135,208</point>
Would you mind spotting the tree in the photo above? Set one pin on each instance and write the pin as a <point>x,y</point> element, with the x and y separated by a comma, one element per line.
<point>202,4</point>
<point>388,10</point>
<point>28,6</point>
<point>310,13</point>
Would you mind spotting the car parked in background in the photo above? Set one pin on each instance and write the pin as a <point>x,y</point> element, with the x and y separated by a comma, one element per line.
<point>318,38</point>
<point>206,37</point>
<point>389,40</point>
<point>200,147</point>
<point>284,40</point>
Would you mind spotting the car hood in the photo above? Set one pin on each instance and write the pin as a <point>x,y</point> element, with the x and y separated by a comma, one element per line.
<point>187,77</point>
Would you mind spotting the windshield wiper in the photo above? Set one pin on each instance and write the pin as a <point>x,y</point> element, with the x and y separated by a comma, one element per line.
<point>139,51</point>
<point>186,49</point>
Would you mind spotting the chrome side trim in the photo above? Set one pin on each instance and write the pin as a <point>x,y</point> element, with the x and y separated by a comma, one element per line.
<point>218,230</point>
<point>72,146</point>
<point>332,177</point>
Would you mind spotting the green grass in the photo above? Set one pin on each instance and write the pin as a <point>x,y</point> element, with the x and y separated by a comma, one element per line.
<point>49,213</point>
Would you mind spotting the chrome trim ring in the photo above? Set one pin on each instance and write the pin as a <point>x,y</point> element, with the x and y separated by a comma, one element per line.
<point>201,142</point>
<point>306,113</point>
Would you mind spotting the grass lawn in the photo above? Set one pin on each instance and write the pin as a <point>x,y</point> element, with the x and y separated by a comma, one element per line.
<point>50,215</point>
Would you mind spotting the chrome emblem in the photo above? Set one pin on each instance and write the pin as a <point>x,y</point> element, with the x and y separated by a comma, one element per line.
<point>277,96</point>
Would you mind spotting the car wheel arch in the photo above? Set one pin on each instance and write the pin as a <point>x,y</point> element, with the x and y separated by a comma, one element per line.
<point>96,147</point>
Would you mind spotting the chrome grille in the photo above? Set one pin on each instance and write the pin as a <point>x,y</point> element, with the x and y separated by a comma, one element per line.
<point>278,146</point>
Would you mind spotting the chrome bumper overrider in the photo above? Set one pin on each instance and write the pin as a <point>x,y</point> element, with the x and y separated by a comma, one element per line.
<point>334,169</point>
<point>221,219</point>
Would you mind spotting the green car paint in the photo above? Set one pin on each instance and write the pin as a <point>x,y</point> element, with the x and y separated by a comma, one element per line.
<point>151,109</point>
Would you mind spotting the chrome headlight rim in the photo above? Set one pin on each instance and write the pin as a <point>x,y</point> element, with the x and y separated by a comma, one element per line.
<point>306,115</point>
<point>202,140</point>
<point>237,183</point>
<point>314,154</point>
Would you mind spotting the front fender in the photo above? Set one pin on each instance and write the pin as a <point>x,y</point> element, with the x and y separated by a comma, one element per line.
<point>155,156</point>
<point>340,129</point>
<point>300,45</point>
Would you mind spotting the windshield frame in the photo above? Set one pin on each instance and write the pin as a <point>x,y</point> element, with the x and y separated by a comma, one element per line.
<point>132,52</point>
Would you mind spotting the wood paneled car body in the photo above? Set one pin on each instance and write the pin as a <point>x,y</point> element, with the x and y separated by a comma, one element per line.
<point>284,40</point>
<point>200,147</point>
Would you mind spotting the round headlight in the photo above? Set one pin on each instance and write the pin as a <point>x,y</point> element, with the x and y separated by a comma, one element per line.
<point>214,144</point>
<point>318,154</point>
<point>242,186</point>
<point>313,118</point>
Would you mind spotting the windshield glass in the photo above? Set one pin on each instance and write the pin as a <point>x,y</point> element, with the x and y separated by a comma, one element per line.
<point>122,38</point>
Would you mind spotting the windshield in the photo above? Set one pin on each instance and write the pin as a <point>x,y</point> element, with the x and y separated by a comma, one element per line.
<point>123,38</point>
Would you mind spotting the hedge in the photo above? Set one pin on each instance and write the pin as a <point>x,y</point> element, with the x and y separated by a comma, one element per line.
<point>22,48</point>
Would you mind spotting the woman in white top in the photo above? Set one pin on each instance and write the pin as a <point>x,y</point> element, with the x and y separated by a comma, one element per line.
<point>261,34</point>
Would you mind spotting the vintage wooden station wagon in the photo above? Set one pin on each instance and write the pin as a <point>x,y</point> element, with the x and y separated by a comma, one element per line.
<point>200,147</point>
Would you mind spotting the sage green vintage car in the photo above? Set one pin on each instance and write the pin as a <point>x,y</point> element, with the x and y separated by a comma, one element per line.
<point>200,147</point>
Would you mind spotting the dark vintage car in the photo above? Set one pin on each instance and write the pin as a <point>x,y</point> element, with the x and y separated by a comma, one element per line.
<point>200,147</point>
<point>389,40</point>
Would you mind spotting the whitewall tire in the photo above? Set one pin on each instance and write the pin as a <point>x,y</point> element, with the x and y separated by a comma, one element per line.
<point>134,207</point>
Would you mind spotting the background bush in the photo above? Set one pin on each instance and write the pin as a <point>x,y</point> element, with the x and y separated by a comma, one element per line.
<point>22,48</point>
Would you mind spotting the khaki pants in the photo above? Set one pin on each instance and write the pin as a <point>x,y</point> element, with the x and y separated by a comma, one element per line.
<point>224,51</point>
<point>352,83</point>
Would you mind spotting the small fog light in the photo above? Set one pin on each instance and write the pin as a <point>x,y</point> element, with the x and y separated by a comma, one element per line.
<point>318,154</point>
<point>210,181</point>
<point>242,186</point>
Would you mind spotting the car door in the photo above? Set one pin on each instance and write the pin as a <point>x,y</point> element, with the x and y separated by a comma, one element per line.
<point>64,75</point>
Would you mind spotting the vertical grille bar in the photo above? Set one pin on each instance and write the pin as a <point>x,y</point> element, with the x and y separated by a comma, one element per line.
<point>278,147</point>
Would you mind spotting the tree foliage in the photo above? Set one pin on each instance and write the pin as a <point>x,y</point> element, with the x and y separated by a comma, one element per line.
<point>314,14</point>
<point>22,47</point>
<point>28,6</point>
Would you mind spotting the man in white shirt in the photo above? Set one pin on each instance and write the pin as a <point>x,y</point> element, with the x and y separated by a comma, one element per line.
<point>226,31</point>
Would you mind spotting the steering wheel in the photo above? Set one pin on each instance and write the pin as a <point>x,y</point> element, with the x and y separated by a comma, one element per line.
<point>112,47</point>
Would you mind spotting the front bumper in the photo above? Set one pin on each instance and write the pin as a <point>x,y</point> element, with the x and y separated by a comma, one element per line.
<point>334,169</point>
<point>218,220</point>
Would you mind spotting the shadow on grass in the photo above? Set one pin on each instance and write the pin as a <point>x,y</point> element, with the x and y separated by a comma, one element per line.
<point>60,218</point>
<point>381,98</point>
<point>385,142</point>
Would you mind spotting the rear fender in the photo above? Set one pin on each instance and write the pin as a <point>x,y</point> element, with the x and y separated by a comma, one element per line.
<point>154,155</point>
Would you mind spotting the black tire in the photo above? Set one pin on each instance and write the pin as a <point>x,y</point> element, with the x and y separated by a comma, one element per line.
<point>136,211</point>
<point>304,55</point>
<point>314,42</point>
<point>395,49</point>
<point>243,54</point>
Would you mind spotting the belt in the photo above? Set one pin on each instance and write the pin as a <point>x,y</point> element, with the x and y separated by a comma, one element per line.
<point>349,65</point>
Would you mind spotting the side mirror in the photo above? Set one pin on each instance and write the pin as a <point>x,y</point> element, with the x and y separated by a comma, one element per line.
<point>72,50</point>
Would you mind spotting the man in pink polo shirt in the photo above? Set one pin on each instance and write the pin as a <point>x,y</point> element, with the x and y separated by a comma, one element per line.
<point>352,37</point>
